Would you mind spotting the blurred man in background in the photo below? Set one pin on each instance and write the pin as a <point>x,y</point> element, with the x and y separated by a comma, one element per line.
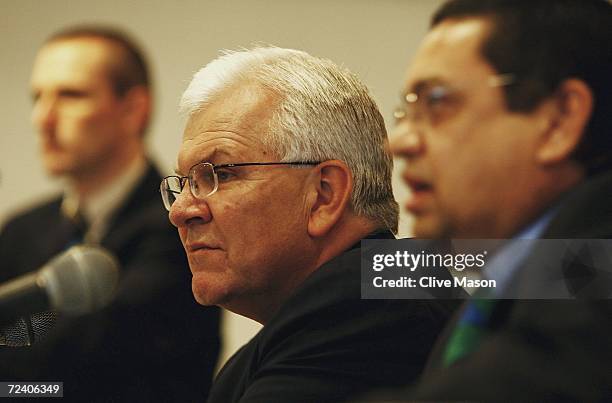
<point>506,130</point>
<point>91,107</point>
<point>283,170</point>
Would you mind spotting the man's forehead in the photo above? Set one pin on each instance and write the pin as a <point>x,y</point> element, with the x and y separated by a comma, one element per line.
<point>203,129</point>
<point>229,129</point>
<point>449,52</point>
<point>244,109</point>
<point>71,61</point>
<point>457,32</point>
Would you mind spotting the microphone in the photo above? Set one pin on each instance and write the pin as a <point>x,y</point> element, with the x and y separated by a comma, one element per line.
<point>78,281</point>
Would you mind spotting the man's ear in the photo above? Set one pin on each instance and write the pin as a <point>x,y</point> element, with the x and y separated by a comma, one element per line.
<point>137,104</point>
<point>332,185</point>
<point>567,115</point>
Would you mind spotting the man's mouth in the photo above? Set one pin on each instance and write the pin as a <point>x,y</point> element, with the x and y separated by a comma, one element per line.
<point>421,194</point>
<point>417,187</point>
<point>196,246</point>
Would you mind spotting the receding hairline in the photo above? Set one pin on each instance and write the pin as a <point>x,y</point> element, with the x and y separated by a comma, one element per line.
<point>112,56</point>
<point>125,59</point>
<point>246,86</point>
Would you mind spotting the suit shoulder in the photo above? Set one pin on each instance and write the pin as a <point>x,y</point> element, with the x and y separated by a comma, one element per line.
<point>39,212</point>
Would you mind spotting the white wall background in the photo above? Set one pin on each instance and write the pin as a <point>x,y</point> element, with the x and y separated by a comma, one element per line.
<point>373,38</point>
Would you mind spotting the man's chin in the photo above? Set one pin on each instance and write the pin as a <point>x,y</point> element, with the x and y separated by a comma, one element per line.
<point>202,300</point>
<point>206,290</point>
<point>201,296</point>
<point>428,226</point>
<point>58,169</point>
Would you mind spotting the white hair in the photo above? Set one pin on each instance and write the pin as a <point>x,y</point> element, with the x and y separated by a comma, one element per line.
<point>324,113</point>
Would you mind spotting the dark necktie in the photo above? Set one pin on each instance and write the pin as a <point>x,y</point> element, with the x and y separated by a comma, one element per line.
<point>78,229</point>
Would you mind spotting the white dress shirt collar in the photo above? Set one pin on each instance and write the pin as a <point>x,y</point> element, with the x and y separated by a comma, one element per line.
<point>99,207</point>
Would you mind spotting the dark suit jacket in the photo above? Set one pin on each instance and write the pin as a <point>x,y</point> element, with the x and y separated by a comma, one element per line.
<point>326,343</point>
<point>152,342</point>
<point>538,351</point>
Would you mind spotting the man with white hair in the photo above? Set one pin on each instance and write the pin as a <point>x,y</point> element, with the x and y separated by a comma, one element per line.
<point>281,173</point>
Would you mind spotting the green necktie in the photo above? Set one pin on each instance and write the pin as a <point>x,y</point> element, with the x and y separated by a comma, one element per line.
<point>471,329</point>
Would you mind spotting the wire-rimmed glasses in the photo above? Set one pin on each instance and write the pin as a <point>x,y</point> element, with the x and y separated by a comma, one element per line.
<point>204,179</point>
<point>431,100</point>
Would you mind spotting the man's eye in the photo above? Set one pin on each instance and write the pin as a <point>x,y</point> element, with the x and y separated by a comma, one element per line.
<point>437,96</point>
<point>73,94</point>
<point>224,175</point>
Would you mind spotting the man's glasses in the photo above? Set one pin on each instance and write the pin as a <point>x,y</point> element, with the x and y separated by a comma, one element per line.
<point>204,179</point>
<point>430,102</point>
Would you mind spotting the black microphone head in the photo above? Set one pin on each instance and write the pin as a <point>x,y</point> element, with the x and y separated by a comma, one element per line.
<point>27,330</point>
<point>81,280</point>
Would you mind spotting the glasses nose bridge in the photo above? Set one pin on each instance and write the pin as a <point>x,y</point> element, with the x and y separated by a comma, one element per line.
<point>188,208</point>
<point>408,137</point>
<point>415,119</point>
<point>180,207</point>
<point>183,181</point>
<point>179,196</point>
<point>413,108</point>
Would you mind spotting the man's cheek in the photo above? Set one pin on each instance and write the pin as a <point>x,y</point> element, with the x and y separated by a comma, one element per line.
<point>183,236</point>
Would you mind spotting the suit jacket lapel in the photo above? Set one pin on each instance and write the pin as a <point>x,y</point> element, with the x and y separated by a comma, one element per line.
<point>125,222</point>
<point>586,212</point>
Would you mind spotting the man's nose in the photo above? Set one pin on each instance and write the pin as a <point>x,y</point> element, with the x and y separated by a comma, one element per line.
<point>44,114</point>
<point>406,141</point>
<point>186,209</point>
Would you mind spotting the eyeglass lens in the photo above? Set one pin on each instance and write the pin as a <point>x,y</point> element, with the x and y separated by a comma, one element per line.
<point>170,188</point>
<point>202,180</point>
<point>201,183</point>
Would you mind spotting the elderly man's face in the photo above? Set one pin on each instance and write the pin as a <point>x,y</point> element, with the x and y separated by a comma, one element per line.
<point>468,159</point>
<point>76,111</point>
<point>245,241</point>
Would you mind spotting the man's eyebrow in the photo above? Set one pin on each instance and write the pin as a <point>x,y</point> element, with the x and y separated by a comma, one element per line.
<point>420,85</point>
<point>209,157</point>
